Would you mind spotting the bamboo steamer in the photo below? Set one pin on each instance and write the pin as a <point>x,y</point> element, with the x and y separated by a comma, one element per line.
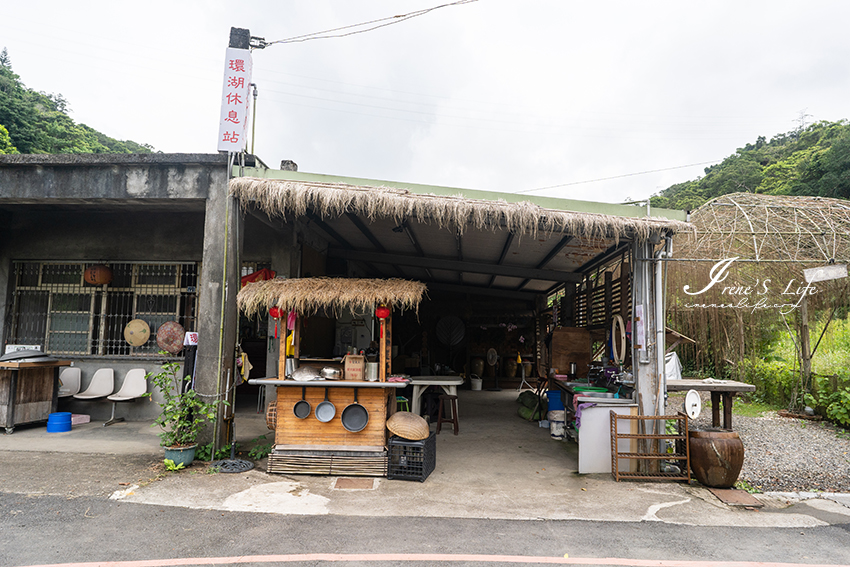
<point>716,457</point>
<point>271,415</point>
<point>408,426</point>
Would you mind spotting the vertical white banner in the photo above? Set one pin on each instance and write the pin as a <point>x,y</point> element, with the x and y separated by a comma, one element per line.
<point>235,94</point>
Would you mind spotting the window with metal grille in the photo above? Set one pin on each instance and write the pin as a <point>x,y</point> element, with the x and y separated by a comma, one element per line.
<point>54,306</point>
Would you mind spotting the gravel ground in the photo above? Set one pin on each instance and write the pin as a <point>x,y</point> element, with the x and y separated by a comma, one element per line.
<point>790,455</point>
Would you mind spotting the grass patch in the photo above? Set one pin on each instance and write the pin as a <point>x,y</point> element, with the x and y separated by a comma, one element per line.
<point>744,485</point>
<point>752,408</point>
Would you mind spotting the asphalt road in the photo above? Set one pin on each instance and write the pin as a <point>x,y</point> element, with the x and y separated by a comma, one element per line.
<point>38,529</point>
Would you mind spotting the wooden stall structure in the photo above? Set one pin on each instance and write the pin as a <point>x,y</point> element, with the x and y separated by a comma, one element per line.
<point>28,391</point>
<point>312,443</point>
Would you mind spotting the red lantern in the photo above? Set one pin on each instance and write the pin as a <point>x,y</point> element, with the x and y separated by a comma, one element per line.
<point>275,313</point>
<point>98,275</point>
<point>382,312</point>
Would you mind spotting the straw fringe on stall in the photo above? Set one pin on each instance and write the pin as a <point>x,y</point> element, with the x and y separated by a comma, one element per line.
<point>307,296</point>
<point>280,197</point>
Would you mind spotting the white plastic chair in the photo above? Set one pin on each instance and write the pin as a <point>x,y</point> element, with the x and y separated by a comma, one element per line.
<point>101,385</point>
<point>69,381</point>
<point>134,386</point>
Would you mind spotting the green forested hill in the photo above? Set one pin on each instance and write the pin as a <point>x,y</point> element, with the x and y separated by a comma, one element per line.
<point>37,123</point>
<point>813,161</point>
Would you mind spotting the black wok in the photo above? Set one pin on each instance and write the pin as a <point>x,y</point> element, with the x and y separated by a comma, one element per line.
<point>302,406</point>
<point>354,416</point>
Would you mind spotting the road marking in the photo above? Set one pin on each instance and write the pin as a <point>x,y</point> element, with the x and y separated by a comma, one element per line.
<point>429,557</point>
<point>650,513</point>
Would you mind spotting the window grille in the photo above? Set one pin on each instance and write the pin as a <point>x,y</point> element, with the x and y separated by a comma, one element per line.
<point>55,307</point>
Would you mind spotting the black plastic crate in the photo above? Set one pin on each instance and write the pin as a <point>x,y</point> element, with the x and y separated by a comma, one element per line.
<point>411,460</point>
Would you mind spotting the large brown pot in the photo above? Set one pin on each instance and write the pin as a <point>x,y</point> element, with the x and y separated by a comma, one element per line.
<point>478,366</point>
<point>716,457</point>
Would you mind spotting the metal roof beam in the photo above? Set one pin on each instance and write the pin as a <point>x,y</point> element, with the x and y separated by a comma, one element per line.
<point>454,265</point>
<point>336,236</point>
<point>508,241</point>
<point>552,253</point>
<point>361,226</point>
<point>488,291</point>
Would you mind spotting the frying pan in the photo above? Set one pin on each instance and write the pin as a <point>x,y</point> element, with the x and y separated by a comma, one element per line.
<point>302,406</point>
<point>354,416</point>
<point>325,411</point>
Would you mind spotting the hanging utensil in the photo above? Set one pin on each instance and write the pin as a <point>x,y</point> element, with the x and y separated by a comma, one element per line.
<point>355,416</point>
<point>302,407</point>
<point>325,411</point>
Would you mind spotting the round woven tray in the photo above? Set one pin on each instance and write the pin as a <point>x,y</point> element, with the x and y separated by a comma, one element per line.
<point>408,426</point>
<point>271,416</point>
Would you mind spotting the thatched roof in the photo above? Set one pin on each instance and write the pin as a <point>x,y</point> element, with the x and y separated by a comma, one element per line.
<point>277,197</point>
<point>769,228</point>
<point>307,296</point>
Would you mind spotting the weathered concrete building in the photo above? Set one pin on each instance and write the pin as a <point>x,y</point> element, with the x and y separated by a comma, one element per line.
<point>178,233</point>
<point>160,221</point>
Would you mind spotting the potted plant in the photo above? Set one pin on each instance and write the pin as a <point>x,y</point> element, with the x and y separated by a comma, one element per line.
<point>182,414</point>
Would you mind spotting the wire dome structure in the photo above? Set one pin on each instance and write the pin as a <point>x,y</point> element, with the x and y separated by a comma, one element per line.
<point>760,246</point>
<point>769,228</point>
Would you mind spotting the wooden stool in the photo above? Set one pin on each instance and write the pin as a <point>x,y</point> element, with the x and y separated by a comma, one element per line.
<point>402,403</point>
<point>453,419</point>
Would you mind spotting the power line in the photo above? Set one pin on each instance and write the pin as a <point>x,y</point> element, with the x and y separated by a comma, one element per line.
<point>618,176</point>
<point>382,22</point>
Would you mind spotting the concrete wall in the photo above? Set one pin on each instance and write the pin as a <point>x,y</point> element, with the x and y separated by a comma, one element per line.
<point>143,409</point>
<point>109,208</point>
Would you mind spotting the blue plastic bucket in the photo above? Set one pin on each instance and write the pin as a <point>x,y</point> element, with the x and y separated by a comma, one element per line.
<point>59,422</point>
<point>555,402</point>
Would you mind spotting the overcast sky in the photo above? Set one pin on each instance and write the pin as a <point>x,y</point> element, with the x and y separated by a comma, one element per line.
<point>499,95</point>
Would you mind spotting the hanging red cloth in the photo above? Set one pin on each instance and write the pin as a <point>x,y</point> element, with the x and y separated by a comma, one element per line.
<point>259,275</point>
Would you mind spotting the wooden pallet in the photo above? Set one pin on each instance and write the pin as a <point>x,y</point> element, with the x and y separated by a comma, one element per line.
<point>333,463</point>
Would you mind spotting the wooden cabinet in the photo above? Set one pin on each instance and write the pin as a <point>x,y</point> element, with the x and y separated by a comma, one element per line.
<point>28,391</point>
<point>571,344</point>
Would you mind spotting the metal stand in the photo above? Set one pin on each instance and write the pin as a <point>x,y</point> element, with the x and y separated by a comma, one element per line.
<point>113,419</point>
<point>232,465</point>
<point>524,381</point>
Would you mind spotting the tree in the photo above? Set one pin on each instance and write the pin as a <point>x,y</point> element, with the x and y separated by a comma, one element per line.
<point>6,146</point>
<point>38,123</point>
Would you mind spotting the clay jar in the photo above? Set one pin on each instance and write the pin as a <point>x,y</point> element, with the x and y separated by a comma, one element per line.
<point>510,368</point>
<point>477,365</point>
<point>716,457</point>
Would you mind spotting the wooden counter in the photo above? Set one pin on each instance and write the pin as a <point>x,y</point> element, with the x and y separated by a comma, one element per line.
<point>310,446</point>
<point>29,391</point>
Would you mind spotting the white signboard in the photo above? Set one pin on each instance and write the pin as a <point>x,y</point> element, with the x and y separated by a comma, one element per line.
<point>16,348</point>
<point>190,339</point>
<point>825,273</point>
<point>232,129</point>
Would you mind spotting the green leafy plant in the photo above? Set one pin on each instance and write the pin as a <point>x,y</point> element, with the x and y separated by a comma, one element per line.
<point>838,409</point>
<point>744,485</point>
<point>170,466</point>
<point>260,450</point>
<point>206,453</point>
<point>183,413</point>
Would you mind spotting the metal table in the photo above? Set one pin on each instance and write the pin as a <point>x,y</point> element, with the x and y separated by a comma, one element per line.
<point>449,385</point>
<point>721,391</point>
